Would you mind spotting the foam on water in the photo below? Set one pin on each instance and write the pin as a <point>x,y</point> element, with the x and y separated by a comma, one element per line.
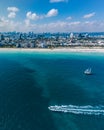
<point>86,110</point>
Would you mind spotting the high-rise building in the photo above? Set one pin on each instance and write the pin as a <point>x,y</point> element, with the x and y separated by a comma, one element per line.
<point>71,35</point>
<point>1,37</point>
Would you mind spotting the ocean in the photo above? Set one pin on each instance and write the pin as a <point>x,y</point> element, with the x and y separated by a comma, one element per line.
<point>30,82</point>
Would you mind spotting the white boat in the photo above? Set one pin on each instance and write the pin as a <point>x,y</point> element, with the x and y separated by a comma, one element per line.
<point>88,71</point>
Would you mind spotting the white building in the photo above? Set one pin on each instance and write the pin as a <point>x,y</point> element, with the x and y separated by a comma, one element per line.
<point>71,35</point>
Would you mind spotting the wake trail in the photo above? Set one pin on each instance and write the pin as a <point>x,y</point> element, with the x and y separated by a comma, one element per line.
<point>86,110</point>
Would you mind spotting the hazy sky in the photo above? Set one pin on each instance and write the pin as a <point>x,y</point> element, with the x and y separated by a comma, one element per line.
<point>52,15</point>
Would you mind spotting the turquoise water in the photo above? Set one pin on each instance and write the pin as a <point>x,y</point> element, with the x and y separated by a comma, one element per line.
<point>30,82</point>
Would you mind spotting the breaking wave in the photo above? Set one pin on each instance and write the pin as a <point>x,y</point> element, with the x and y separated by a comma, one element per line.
<point>86,110</point>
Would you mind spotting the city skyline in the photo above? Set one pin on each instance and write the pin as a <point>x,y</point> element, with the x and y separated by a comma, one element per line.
<point>51,16</point>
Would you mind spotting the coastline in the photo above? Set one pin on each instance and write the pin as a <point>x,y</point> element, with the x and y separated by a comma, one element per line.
<point>68,49</point>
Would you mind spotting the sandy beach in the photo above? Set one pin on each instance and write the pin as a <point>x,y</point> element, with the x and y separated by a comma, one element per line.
<point>73,49</point>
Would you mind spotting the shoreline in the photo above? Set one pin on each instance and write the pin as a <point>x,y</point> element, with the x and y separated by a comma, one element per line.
<point>68,49</point>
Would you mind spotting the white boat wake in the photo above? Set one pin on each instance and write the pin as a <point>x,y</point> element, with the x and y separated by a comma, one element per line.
<point>86,110</point>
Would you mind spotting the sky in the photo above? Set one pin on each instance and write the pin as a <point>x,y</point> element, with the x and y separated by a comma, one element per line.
<point>52,16</point>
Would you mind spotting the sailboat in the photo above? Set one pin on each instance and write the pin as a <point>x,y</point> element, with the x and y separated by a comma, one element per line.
<point>88,71</point>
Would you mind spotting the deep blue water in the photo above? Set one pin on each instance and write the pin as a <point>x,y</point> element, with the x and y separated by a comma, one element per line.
<point>32,81</point>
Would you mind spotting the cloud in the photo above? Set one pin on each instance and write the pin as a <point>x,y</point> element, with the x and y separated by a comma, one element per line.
<point>9,25</point>
<point>32,16</point>
<point>75,23</point>
<point>52,12</point>
<point>13,9</point>
<point>58,26</point>
<point>89,15</point>
<point>3,21</point>
<point>57,1</point>
<point>11,15</point>
<point>12,12</point>
<point>61,26</point>
<point>69,18</point>
<point>27,22</point>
